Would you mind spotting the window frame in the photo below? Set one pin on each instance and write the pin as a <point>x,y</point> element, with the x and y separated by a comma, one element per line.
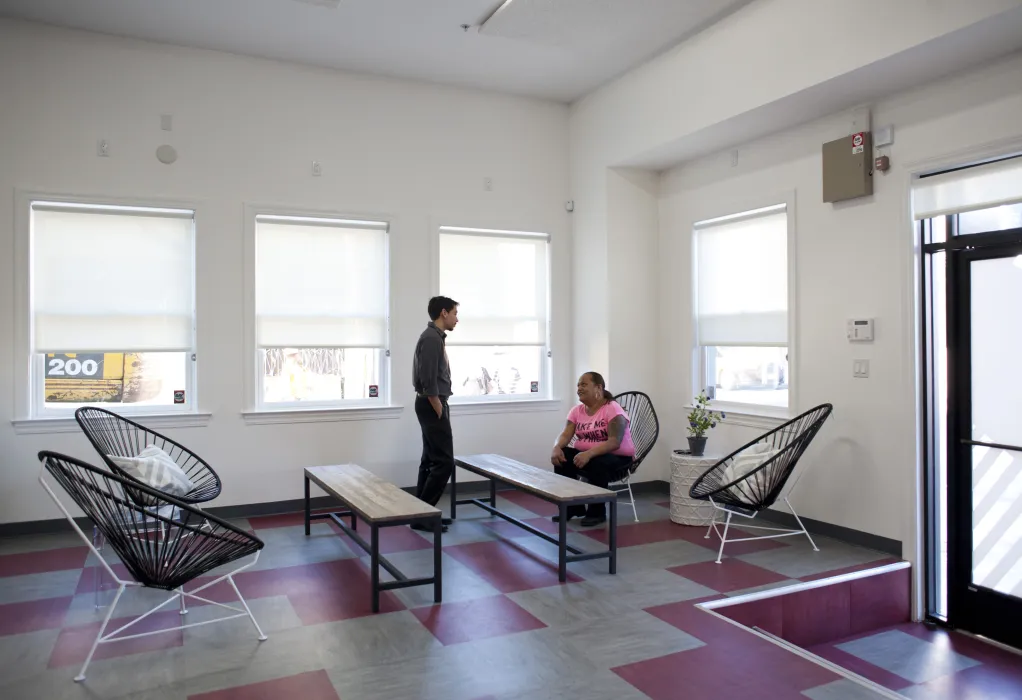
<point>735,210</point>
<point>29,381</point>
<point>546,395</point>
<point>259,411</point>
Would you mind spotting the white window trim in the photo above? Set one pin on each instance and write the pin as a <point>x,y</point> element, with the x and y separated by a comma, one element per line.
<point>501,403</point>
<point>731,209</point>
<point>259,413</point>
<point>47,426</point>
<point>28,380</point>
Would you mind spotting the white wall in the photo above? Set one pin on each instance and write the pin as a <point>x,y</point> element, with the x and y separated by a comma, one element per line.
<point>246,131</point>
<point>853,259</point>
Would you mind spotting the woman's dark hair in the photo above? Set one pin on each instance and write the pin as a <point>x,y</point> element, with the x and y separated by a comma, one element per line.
<point>597,379</point>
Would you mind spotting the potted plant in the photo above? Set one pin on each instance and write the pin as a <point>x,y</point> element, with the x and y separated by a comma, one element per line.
<point>700,420</point>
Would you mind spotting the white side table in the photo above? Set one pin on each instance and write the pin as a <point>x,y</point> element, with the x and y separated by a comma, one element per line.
<point>685,469</point>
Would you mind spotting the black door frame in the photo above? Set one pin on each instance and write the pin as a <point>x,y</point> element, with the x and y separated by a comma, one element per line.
<point>973,608</point>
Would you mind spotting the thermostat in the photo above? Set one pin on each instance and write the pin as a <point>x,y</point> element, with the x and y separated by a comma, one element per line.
<point>860,329</point>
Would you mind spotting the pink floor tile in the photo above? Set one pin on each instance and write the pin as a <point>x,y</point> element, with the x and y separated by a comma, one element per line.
<point>728,576</point>
<point>664,504</point>
<point>634,534</point>
<point>33,615</point>
<point>73,644</point>
<point>719,670</point>
<point>979,683</point>
<point>765,613</point>
<point>697,622</point>
<point>506,567</point>
<point>506,529</point>
<point>482,618</point>
<point>530,502</point>
<point>314,685</point>
<point>43,561</point>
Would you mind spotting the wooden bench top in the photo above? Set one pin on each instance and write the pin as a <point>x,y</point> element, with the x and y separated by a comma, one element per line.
<point>541,482</point>
<point>372,498</point>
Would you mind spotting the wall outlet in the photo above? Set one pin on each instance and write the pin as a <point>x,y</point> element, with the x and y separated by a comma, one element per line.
<point>166,122</point>
<point>103,148</point>
<point>317,168</point>
<point>860,369</point>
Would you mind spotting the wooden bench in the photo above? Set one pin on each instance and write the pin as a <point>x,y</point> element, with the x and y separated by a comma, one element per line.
<point>553,488</point>
<point>380,504</point>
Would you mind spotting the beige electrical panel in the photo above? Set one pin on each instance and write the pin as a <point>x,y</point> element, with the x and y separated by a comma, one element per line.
<point>848,167</point>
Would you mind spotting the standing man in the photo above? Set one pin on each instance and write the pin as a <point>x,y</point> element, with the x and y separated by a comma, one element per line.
<point>431,375</point>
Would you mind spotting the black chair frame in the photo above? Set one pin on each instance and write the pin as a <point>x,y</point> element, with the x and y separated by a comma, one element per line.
<point>158,551</point>
<point>645,430</point>
<point>750,493</point>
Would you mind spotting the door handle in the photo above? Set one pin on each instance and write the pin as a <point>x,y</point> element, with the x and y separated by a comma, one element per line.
<point>994,445</point>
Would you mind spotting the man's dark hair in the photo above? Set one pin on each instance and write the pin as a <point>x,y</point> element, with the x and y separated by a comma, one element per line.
<point>437,305</point>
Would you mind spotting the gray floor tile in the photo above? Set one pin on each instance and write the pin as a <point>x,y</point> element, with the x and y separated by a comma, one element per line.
<point>798,559</point>
<point>459,582</point>
<point>288,546</point>
<point>843,689</point>
<point>23,656</point>
<point>51,584</point>
<point>626,639</point>
<point>576,603</point>
<point>599,685</point>
<point>911,658</point>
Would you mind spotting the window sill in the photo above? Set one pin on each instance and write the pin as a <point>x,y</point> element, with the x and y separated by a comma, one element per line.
<point>44,426</point>
<point>322,415</point>
<point>750,416</point>
<point>472,408</point>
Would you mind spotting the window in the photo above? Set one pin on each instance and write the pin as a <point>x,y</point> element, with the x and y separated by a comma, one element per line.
<point>501,279</point>
<point>112,308</point>
<point>321,312</point>
<point>742,307</point>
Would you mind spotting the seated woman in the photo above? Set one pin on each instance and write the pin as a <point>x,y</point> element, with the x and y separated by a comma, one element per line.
<point>603,446</point>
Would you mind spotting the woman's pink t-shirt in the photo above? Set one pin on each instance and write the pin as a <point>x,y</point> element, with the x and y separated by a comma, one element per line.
<point>590,431</point>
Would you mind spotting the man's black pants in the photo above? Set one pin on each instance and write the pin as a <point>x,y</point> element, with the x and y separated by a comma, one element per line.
<point>437,462</point>
<point>600,471</point>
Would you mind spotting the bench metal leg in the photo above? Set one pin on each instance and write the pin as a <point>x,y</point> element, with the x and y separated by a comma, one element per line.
<point>562,544</point>
<point>613,536</point>
<point>493,493</point>
<point>374,566</point>
<point>308,519</point>
<point>454,493</point>
<point>438,587</point>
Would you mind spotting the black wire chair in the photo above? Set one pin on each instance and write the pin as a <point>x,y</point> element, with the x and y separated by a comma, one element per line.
<point>159,552</point>
<point>756,490</point>
<point>114,435</point>
<point>645,429</point>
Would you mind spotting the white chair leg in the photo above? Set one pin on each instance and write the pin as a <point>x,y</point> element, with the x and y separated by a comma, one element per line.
<point>799,521</point>
<point>713,520</point>
<point>262,637</point>
<point>632,497</point>
<point>723,539</point>
<point>106,620</point>
<point>184,605</point>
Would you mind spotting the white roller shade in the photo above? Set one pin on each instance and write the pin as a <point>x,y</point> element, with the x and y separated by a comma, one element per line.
<point>501,281</point>
<point>320,283</point>
<point>107,279</point>
<point>969,189</point>
<point>742,280</point>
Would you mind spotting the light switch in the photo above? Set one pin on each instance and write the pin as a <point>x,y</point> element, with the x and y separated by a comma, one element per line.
<point>860,369</point>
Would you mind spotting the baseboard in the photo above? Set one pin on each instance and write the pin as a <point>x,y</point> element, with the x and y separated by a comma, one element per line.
<point>837,532</point>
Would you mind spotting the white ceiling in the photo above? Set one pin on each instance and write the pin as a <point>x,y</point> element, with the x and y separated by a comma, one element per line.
<point>556,49</point>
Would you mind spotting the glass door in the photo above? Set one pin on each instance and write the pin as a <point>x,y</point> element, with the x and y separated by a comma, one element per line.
<point>984,438</point>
